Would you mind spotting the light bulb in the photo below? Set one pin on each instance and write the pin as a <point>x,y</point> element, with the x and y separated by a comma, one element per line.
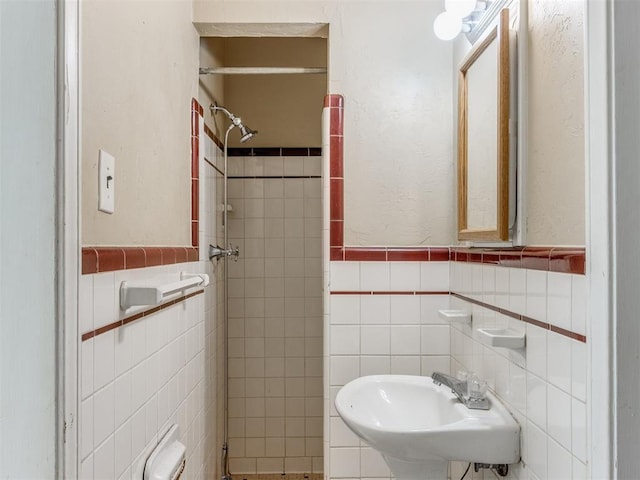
<point>447,26</point>
<point>461,8</point>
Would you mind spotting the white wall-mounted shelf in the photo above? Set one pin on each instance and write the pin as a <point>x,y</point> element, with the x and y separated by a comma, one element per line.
<point>132,295</point>
<point>502,337</point>
<point>457,316</point>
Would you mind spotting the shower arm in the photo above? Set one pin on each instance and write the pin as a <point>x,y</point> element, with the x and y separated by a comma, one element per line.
<point>237,121</point>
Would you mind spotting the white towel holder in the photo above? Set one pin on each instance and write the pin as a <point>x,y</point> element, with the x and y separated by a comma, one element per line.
<point>132,295</point>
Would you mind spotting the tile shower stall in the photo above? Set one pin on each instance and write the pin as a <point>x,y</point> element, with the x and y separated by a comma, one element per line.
<point>275,311</point>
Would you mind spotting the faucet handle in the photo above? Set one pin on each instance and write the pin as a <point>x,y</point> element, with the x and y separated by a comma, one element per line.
<point>476,388</point>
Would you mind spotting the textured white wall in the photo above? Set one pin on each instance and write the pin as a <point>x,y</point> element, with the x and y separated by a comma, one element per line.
<point>556,163</point>
<point>27,239</point>
<point>396,79</point>
<point>139,64</point>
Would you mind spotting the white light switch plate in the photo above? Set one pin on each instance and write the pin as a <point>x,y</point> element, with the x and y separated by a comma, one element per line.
<point>106,182</point>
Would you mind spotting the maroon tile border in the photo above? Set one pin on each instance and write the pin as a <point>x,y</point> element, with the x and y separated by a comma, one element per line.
<point>552,259</point>
<point>196,112</point>
<point>523,318</point>
<point>108,259</point>
<point>126,320</point>
<point>335,104</point>
<point>394,254</point>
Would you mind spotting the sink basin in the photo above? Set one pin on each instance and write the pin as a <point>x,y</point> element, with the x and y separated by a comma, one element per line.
<point>419,426</point>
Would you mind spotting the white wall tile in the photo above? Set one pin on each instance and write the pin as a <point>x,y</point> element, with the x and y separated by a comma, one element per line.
<point>122,446</point>
<point>344,369</point>
<point>104,297</point>
<point>536,297</point>
<point>517,387</point>
<point>559,300</point>
<point>86,469</point>
<point>536,350</point>
<point>579,304</point>
<point>103,463</point>
<point>537,401</point>
<point>104,359</point>
<point>85,303</point>
<point>559,462</point>
<point>579,431</point>
<point>404,276</point>
<point>429,306</point>
<point>537,451</point>
<point>372,464</point>
<point>579,370</point>
<point>502,287</point>
<point>86,430</point>
<point>559,361</point>
<point>489,284</point>
<point>405,309</point>
<point>375,309</point>
<point>375,340</point>
<point>375,365</point>
<point>86,370</point>
<point>345,340</point>
<point>435,339</point>
<point>434,363</point>
<point>579,469</point>
<point>345,276</point>
<point>405,365</point>
<point>434,276</point>
<point>341,435</point>
<point>405,340</point>
<point>559,416</point>
<point>345,309</point>
<point>122,399</point>
<point>517,290</point>
<point>345,462</point>
<point>374,276</point>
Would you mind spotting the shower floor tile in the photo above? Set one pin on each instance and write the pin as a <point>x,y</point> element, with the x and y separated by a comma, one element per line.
<point>280,476</point>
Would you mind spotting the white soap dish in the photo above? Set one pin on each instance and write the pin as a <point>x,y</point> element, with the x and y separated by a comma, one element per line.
<point>458,316</point>
<point>502,337</point>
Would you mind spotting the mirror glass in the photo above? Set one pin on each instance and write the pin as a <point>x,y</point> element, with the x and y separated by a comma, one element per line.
<point>483,138</point>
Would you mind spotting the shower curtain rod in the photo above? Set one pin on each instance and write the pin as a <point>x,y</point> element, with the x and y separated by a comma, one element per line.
<point>260,70</point>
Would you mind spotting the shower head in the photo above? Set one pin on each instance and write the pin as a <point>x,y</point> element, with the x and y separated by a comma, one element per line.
<point>246,132</point>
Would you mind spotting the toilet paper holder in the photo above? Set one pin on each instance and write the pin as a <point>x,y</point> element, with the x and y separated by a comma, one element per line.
<point>168,459</point>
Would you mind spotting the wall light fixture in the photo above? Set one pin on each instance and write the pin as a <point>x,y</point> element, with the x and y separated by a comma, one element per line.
<point>459,16</point>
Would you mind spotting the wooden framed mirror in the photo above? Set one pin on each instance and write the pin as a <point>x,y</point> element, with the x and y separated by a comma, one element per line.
<point>484,108</point>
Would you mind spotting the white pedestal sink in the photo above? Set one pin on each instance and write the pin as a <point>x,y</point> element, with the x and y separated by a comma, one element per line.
<point>419,427</point>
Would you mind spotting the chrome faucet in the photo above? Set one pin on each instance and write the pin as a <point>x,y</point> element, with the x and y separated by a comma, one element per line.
<point>218,252</point>
<point>460,390</point>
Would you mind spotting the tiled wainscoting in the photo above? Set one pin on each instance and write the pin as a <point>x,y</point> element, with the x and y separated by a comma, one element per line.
<point>138,379</point>
<point>383,319</point>
<point>545,385</point>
